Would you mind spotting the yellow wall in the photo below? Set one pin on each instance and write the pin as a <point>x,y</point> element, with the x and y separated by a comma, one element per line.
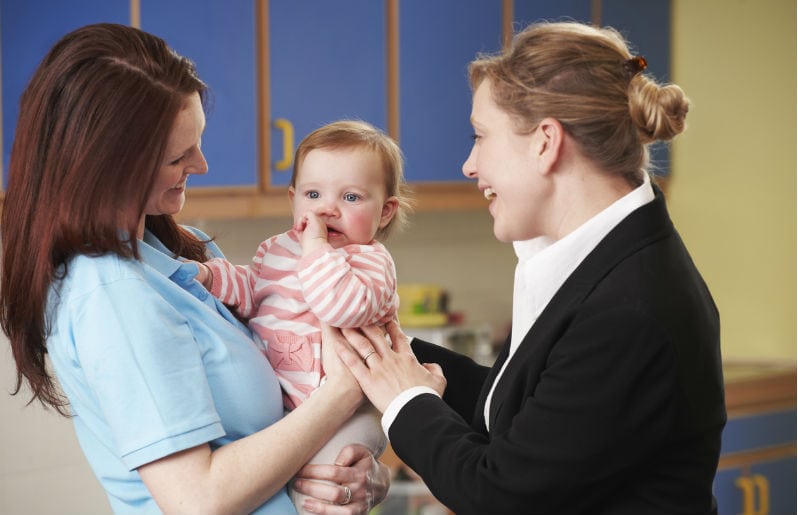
<point>733,191</point>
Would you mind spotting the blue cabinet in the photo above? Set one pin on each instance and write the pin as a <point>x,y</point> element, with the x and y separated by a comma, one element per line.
<point>26,34</point>
<point>436,47</point>
<point>278,69</point>
<point>757,470</point>
<point>220,38</point>
<point>326,62</point>
<point>531,11</point>
<point>437,40</point>
<point>761,488</point>
<point>647,25</point>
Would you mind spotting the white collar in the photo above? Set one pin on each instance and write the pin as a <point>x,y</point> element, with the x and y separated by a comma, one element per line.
<point>545,264</point>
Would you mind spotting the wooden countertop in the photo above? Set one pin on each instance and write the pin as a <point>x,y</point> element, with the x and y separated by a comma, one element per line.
<point>757,387</point>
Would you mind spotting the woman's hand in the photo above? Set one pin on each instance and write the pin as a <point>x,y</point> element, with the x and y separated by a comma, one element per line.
<point>383,371</point>
<point>356,469</point>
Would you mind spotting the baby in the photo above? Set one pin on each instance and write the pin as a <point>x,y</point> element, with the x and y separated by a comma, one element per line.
<point>347,191</point>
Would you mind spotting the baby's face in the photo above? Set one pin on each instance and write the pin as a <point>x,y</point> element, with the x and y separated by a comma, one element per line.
<point>345,188</point>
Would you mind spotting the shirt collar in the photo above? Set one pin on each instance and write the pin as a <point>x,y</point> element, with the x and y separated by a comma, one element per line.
<point>600,225</point>
<point>527,249</point>
<point>156,255</point>
<point>545,264</point>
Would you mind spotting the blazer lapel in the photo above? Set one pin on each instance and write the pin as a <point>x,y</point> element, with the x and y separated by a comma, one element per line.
<point>478,421</point>
<point>642,227</point>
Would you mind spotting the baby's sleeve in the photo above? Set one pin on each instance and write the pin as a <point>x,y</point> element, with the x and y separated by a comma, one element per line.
<point>350,287</point>
<point>234,285</point>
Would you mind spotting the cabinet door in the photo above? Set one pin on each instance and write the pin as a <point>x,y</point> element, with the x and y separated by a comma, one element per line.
<point>327,62</point>
<point>437,40</point>
<point>220,38</point>
<point>763,478</point>
<point>27,31</point>
<point>757,431</point>
<point>727,493</point>
<point>647,26</point>
<point>530,11</point>
<point>762,488</point>
<point>781,484</point>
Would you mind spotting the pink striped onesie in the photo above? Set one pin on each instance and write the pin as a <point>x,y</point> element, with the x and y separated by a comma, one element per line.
<point>285,296</point>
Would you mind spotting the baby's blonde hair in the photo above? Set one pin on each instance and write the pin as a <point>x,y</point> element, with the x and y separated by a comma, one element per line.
<point>347,134</point>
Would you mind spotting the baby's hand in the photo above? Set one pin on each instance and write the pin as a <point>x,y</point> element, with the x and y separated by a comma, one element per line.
<point>204,276</point>
<point>314,232</point>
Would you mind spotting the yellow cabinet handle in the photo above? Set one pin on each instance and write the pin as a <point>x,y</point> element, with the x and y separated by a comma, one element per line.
<point>762,484</point>
<point>750,485</point>
<point>288,144</point>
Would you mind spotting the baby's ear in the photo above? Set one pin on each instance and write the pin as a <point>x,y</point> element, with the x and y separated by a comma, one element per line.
<point>389,208</point>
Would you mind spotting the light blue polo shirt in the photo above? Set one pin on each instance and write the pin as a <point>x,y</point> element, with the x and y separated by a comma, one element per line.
<point>153,364</point>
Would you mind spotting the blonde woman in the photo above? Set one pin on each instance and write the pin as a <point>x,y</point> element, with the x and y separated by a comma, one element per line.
<point>607,397</point>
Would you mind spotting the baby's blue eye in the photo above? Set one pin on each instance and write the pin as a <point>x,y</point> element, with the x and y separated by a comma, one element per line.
<point>351,197</point>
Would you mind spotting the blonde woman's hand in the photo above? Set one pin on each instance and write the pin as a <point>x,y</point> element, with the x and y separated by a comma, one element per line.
<point>384,367</point>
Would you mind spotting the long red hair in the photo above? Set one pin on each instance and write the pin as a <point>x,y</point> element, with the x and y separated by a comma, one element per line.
<point>92,129</point>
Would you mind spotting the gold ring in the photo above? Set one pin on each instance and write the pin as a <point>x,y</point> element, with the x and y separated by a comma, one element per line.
<point>367,356</point>
<point>347,495</point>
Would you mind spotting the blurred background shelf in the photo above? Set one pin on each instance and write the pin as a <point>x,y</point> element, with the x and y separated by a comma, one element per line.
<point>757,469</point>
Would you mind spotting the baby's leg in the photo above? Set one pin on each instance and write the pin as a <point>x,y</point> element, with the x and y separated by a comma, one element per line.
<point>363,428</point>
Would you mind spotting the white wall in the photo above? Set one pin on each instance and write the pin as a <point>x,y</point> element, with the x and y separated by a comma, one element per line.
<point>42,470</point>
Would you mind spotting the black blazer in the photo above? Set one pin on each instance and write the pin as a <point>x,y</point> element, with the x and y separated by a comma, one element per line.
<point>613,403</point>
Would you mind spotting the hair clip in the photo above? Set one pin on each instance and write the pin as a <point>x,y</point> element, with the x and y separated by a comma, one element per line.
<point>635,65</point>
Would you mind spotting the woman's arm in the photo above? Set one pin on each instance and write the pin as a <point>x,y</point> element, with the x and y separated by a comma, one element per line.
<point>465,378</point>
<point>240,476</point>
<point>563,416</point>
